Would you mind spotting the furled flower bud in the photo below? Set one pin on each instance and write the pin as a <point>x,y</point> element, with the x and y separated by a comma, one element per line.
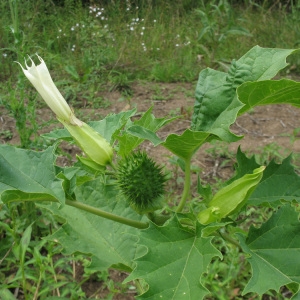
<point>91,142</point>
<point>231,198</point>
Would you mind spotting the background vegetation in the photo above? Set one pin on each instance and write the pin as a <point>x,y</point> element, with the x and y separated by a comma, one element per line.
<point>107,45</point>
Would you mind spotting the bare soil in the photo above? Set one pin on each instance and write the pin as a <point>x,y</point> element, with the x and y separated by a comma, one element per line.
<point>261,127</point>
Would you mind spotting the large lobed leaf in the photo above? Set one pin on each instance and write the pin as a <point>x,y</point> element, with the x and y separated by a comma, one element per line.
<point>139,130</point>
<point>109,243</point>
<point>279,183</point>
<point>216,106</point>
<point>274,252</point>
<point>269,92</point>
<point>29,175</point>
<point>175,260</point>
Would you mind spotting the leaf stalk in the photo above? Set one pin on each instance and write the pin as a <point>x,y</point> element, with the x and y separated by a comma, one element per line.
<point>107,215</point>
<point>187,185</point>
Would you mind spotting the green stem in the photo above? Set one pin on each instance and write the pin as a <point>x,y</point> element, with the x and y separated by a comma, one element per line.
<point>187,185</point>
<point>107,215</point>
<point>99,212</point>
<point>229,239</point>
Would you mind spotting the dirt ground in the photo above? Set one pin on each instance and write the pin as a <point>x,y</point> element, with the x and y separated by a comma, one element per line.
<point>261,127</point>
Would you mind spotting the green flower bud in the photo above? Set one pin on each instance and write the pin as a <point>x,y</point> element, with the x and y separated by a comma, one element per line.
<point>231,198</point>
<point>141,181</point>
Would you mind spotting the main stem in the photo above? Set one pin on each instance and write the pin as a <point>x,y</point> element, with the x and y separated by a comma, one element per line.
<point>187,185</point>
<point>107,215</point>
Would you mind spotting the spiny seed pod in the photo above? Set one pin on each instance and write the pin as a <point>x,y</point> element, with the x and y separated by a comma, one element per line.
<point>142,181</point>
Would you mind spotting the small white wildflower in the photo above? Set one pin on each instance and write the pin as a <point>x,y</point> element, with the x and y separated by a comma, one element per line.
<point>4,55</point>
<point>154,21</point>
<point>102,18</point>
<point>142,33</point>
<point>143,28</point>
<point>157,49</point>
<point>137,19</point>
<point>72,28</point>
<point>77,24</point>
<point>177,45</point>
<point>131,28</point>
<point>59,30</point>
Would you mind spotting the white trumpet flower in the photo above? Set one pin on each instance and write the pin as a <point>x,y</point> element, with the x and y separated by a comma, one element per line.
<point>40,78</point>
<point>91,142</point>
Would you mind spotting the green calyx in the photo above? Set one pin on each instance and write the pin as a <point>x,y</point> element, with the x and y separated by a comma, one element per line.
<point>141,181</point>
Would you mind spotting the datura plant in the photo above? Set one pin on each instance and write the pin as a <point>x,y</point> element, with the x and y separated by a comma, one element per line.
<point>114,200</point>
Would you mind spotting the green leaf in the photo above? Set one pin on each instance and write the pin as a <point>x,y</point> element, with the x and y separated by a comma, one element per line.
<point>244,165</point>
<point>24,243</point>
<point>279,182</point>
<point>175,260</point>
<point>216,105</point>
<point>269,92</point>
<point>140,130</point>
<point>109,243</point>
<point>58,134</point>
<point>111,125</point>
<point>274,252</point>
<point>184,145</point>
<point>6,294</point>
<point>72,71</point>
<point>187,144</point>
<point>29,175</point>
<point>144,134</point>
<point>261,63</point>
<point>296,296</point>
